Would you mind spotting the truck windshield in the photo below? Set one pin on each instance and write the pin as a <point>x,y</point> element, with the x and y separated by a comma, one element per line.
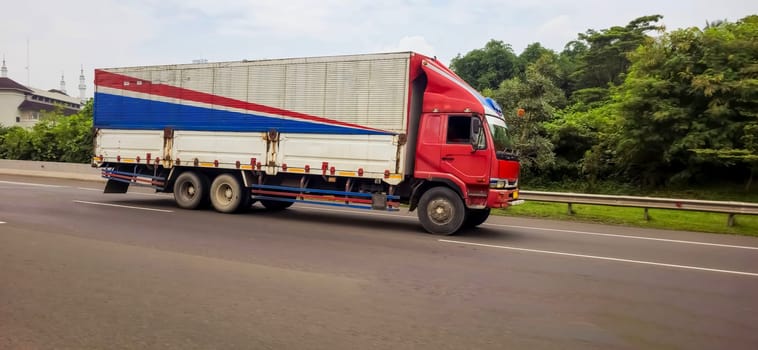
<point>499,132</point>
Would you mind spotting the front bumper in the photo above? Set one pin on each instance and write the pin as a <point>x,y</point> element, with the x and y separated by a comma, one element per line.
<point>503,198</point>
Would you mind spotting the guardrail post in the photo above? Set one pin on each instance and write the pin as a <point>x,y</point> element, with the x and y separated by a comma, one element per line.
<point>647,215</point>
<point>570,210</point>
<point>730,221</point>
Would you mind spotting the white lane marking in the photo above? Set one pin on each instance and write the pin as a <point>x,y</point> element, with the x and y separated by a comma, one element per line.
<point>559,230</point>
<point>29,184</point>
<point>137,193</point>
<point>2,222</point>
<point>625,236</point>
<point>686,267</point>
<point>125,206</point>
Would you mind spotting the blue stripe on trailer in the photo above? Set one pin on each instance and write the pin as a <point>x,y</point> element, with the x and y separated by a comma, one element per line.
<point>122,112</point>
<point>319,203</point>
<point>314,190</point>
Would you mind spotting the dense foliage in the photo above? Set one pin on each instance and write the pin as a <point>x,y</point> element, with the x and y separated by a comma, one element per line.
<point>631,104</point>
<point>56,137</point>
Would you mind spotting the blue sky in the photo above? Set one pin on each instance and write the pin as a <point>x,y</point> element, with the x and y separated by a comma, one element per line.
<point>105,33</point>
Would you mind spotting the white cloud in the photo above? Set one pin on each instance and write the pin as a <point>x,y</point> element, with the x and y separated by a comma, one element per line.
<point>557,31</point>
<point>106,33</point>
<point>63,36</point>
<point>414,43</point>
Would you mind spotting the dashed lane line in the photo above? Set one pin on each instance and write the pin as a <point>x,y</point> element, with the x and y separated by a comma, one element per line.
<point>560,230</point>
<point>29,184</point>
<point>624,236</point>
<point>641,262</point>
<point>124,206</point>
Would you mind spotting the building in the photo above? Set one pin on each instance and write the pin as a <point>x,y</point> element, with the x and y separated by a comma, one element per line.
<point>24,106</point>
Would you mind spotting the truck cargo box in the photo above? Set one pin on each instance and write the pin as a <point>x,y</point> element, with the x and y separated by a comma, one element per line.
<point>348,111</point>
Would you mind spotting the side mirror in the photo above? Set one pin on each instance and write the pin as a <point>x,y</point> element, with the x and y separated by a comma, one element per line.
<point>476,132</point>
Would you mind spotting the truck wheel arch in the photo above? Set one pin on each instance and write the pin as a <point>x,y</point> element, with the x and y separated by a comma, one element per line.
<point>424,185</point>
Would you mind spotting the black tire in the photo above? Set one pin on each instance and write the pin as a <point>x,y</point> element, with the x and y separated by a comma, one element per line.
<point>441,211</point>
<point>275,205</point>
<point>476,217</point>
<point>227,194</point>
<point>191,190</point>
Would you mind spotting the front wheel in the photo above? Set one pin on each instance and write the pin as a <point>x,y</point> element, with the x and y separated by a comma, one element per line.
<point>227,195</point>
<point>441,211</point>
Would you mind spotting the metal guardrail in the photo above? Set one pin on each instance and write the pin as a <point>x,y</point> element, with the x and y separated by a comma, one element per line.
<point>730,208</point>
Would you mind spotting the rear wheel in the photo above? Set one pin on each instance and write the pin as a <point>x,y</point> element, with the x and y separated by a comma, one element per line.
<point>441,211</point>
<point>227,194</point>
<point>191,190</point>
<point>275,205</point>
<point>476,217</point>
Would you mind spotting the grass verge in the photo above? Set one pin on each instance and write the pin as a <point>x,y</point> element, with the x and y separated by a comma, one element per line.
<point>659,218</point>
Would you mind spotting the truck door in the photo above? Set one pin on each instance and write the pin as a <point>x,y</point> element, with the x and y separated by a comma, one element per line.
<point>428,147</point>
<point>458,158</point>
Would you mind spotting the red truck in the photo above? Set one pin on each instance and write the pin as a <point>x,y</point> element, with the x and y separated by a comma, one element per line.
<point>365,131</point>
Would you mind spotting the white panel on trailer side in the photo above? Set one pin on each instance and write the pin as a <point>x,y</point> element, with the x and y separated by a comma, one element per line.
<point>346,153</point>
<point>225,147</point>
<point>128,144</point>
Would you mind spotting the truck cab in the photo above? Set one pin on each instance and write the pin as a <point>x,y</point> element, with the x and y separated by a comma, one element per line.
<point>463,147</point>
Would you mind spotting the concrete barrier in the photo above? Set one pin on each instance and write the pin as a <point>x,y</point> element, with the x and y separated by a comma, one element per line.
<point>58,170</point>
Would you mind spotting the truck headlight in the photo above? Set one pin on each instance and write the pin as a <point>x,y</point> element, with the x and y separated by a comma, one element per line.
<point>499,184</point>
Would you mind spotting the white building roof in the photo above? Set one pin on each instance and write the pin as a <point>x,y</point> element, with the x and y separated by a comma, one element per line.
<point>56,96</point>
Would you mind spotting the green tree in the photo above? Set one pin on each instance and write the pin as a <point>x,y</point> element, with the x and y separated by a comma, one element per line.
<point>56,137</point>
<point>606,58</point>
<point>15,143</point>
<point>689,92</point>
<point>486,68</point>
<point>538,96</point>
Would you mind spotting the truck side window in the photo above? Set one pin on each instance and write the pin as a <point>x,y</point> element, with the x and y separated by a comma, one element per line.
<point>459,129</point>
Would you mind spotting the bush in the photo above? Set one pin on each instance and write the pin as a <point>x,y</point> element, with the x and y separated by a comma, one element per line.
<point>56,138</point>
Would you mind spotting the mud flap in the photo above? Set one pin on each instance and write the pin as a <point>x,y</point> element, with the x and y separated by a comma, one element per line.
<point>113,186</point>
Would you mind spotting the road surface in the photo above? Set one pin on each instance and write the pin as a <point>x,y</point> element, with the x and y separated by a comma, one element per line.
<point>84,270</point>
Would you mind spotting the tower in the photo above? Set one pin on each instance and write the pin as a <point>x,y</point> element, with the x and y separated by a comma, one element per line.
<point>4,69</point>
<point>82,86</point>
<point>63,84</point>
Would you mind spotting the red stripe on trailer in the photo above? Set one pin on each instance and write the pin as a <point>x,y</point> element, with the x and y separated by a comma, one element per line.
<point>134,178</point>
<point>124,82</point>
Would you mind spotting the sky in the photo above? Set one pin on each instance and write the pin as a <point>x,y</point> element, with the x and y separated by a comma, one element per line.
<point>61,37</point>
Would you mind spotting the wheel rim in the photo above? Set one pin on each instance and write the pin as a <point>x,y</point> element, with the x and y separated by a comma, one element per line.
<point>440,211</point>
<point>225,194</point>
<point>189,190</point>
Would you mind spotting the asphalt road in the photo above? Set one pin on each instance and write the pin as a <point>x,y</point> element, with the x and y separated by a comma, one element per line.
<point>84,270</point>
